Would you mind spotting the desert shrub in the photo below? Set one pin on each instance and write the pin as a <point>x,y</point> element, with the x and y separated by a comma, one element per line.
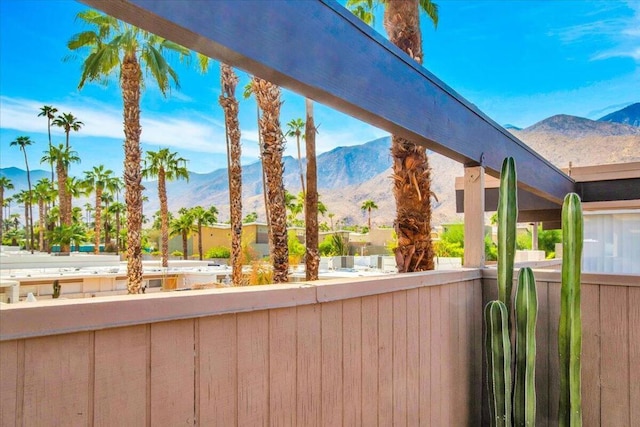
<point>177,253</point>
<point>218,252</point>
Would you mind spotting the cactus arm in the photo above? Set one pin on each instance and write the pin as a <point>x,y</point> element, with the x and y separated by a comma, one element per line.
<point>570,328</point>
<point>507,217</point>
<point>498,349</point>
<point>526,312</point>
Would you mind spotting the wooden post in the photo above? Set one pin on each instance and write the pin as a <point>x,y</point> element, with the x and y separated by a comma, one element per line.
<point>474,216</point>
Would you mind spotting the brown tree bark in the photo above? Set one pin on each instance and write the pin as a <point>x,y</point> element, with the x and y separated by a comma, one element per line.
<point>411,173</point>
<point>311,197</point>
<point>164,218</point>
<point>229,103</point>
<point>130,75</point>
<point>268,97</point>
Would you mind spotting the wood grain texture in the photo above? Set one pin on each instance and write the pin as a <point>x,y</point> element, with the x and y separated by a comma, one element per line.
<point>425,356</point>
<point>309,364</point>
<point>56,380</point>
<point>370,361</point>
<point>474,309</point>
<point>438,331</point>
<point>554,358</point>
<point>172,372</point>
<point>634,354</point>
<point>614,315</point>
<point>474,216</point>
<point>400,358</point>
<point>591,353</point>
<point>332,371</point>
<point>218,360</point>
<point>542,357</point>
<point>282,367</point>
<point>352,361</point>
<point>461,375</point>
<point>385,360</point>
<point>413,357</point>
<point>120,388</point>
<point>253,368</point>
<point>9,382</point>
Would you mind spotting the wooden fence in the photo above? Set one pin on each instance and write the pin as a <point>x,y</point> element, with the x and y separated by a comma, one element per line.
<point>392,350</point>
<point>610,348</point>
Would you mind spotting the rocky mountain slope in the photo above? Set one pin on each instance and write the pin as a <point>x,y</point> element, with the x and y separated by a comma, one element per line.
<point>629,115</point>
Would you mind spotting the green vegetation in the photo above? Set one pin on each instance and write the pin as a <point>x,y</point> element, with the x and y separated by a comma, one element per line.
<point>218,252</point>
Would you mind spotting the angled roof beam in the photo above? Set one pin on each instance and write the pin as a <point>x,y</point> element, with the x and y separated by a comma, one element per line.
<point>320,50</point>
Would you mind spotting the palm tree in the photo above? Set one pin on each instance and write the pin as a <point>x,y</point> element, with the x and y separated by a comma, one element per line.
<point>183,226</point>
<point>295,129</point>
<point>45,194</point>
<point>114,45</point>
<point>117,209</point>
<point>367,206</point>
<point>24,197</point>
<point>62,158</point>
<point>49,112</point>
<point>166,166</point>
<point>411,173</point>
<point>5,184</point>
<point>203,217</point>
<point>312,203</point>
<point>69,123</point>
<point>229,103</point>
<point>22,142</point>
<point>96,179</point>
<point>268,98</point>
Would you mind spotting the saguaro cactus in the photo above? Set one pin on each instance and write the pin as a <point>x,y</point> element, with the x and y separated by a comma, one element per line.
<point>526,313</point>
<point>507,216</point>
<point>498,350</point>
<point>570,328</point>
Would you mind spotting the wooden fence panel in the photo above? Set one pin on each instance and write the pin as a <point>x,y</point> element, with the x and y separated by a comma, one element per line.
<point>425,356</point>
<point>309,363</point>
<point>590,308</point>
<point>413,357</point>
<point>614,317</point>
<point>282,367</point>
<point>399,358</point>
<point>218,368</point>
<point>58,382</point>
<point>634,354</point>
<point>352,361</point>
<point>332,372</point>
<point>10,366</point>
<point>370,360</point>
<point>121,383</point>
<point>172,372</point>
<point>253,368</point>
<point>385,360</point>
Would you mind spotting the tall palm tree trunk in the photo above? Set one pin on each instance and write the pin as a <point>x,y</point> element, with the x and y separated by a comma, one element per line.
<point>98,221</point>
<point>164,218</point>
<point>65,213</point>
<point>41,224</point>
<point>130,78</point>
<point>311,197</point>
<point>411,173</point>
<point>49,117</point>
<point>185,249</point>
<point>268,97</point>
<point>30,223</point>
<point>229,104</point>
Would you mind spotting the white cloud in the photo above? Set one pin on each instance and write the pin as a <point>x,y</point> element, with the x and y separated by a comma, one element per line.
<point>102,120</point>
<point>622,32</point>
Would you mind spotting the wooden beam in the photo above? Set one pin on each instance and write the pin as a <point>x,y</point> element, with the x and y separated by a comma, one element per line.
<point>320,50</point>
<point>474,217</point>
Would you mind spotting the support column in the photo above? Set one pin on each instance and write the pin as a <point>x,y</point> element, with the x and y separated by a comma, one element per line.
<point>474,216</point>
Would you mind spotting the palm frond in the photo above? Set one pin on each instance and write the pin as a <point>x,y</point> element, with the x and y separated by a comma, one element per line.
<point>431,9</point>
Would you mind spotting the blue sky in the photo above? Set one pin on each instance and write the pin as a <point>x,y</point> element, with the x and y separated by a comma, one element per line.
<point>518,61</point>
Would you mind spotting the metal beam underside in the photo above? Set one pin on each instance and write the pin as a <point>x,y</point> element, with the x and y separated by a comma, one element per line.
<point>320,50</point>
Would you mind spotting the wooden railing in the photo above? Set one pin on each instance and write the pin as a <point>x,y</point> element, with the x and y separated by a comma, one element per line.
<point>610,348</point>
<point>390,350</point>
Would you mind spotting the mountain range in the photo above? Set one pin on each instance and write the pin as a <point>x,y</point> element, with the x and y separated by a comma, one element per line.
<point>347,176</point>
